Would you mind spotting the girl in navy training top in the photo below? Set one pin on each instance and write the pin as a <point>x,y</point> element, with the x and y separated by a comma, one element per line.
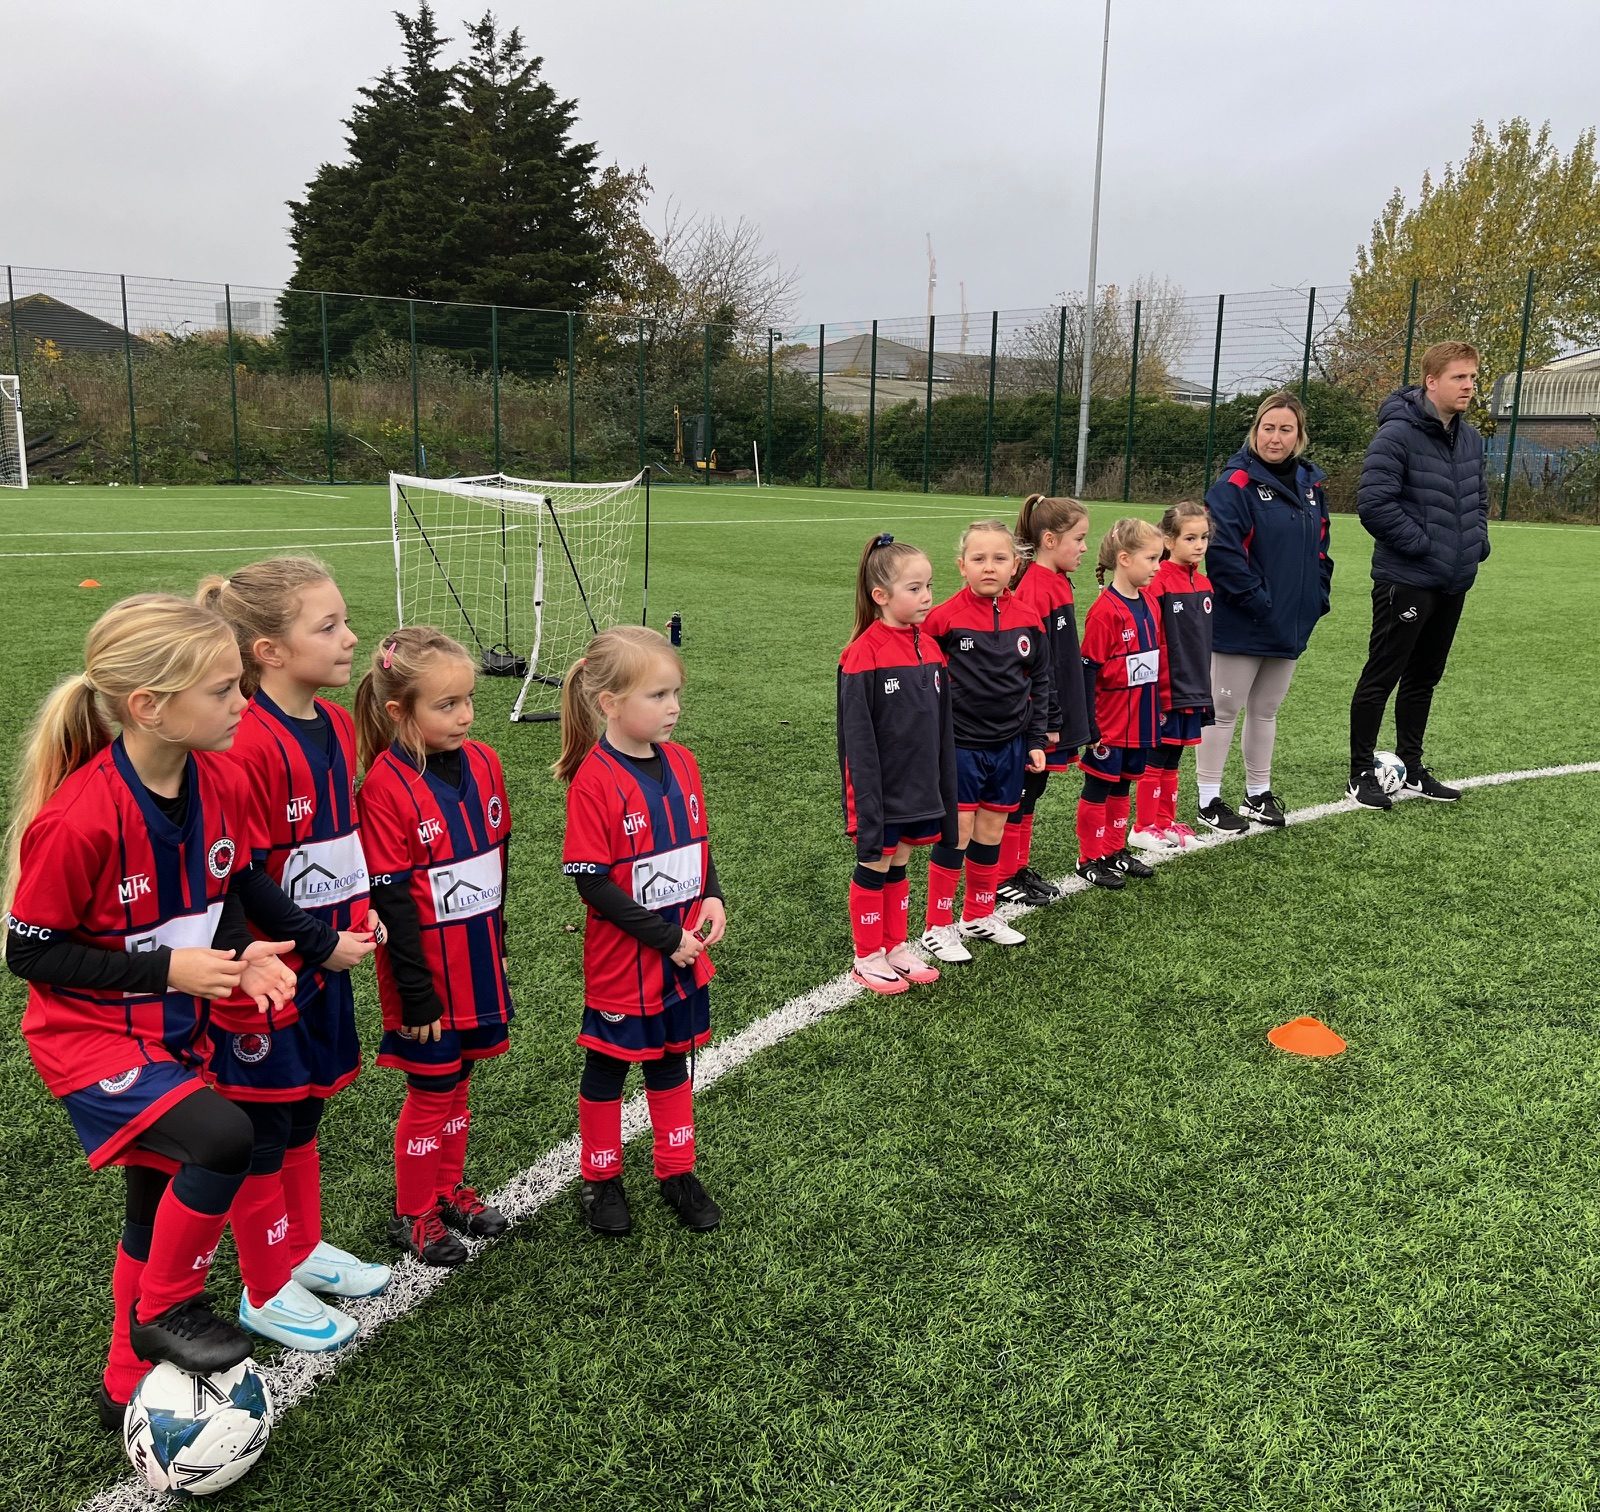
<point>897,757</point>
<point>1183,593</point>
<point>1054,533</point>
<point>1000,693</point>
<point>1124,658</point>
<point>637,847</point>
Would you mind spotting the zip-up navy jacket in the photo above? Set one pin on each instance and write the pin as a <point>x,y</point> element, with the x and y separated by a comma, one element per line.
<point>897,749</point>
<point>999,669</point>
<point>1185,598</point>
<point>1049,594</point>
<point>1423,497</point>
<point>1268,558</point>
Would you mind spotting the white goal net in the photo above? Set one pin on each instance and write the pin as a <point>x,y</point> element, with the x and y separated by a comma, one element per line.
<point>13,450</point>
<point>521,572</point>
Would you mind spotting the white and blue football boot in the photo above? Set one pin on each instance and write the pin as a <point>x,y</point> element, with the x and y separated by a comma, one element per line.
<point>336,1273</point>
<point>297,1320</point>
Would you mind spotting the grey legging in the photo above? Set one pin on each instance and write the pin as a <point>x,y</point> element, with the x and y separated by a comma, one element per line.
<point>1255,684</point>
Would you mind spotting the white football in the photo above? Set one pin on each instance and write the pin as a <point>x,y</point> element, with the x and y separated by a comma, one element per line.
<point>195,1434</point>
<point>1391,772</point>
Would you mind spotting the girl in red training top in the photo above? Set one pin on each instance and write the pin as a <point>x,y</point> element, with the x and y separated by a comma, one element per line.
<point>1183,593</point>
<point>1054,533</point>
<point>1124,659</point>
<point>127,900</point>
<point>435,826</point>
<point>1000,695</point>
<point>897,756</point>
<point>299,752</point>
<point>637,847</point>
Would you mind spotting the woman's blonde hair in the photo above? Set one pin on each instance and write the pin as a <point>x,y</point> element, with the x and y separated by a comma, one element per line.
<point>616,662</point>
<point>882,559</point>
<point>1283,399</point>
<point>399,663</point>
<point>153,641</point>
<point>261,602</point>
<point>1128,534</point>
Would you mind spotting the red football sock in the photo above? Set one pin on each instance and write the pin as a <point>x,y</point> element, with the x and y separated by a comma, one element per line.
<point>1091,830</point>
<point>942,884</point>
<point>1011,848</point>
<point>672,1128</point>
<point>124,1369</point>
<point>302,1197</point>
<point>260,1220</point>
<point>418,1144</point>
<point>896,912</point>
<point>1117,806</point>
<point>1152,794</point>
<point>982,879</point>
<point>1024,842</point>
<point>600,1138</point>
<point>866,919</point>
<point>1169,799</point>
<point>181,1250</point>
<point>453,1146</point>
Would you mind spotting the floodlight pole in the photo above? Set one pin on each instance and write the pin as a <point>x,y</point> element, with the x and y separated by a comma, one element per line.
<point>1094,248</point>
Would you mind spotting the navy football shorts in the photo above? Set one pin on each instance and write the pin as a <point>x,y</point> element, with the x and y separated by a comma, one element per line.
<point>676,1029</point>
<point>991,779</point>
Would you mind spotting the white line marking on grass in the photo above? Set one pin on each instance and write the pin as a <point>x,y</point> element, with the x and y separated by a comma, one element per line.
<point>225,530</point>
<point>302,493</point>
<point>121,551</point>
<point>953,514</point>
<point>292,1377</point>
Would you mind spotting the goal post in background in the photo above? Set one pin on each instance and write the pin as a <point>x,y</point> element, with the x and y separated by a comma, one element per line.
<point>522,572</point>
<point>13,448</point>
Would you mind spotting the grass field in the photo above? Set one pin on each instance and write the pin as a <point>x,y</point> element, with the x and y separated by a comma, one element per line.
<point>1060,1231</point>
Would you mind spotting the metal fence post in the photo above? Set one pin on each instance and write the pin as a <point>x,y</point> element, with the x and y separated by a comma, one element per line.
<point>127,356</point>
<point>872,411</point>
<point>1411,331</point>
<point>1055,426</point>
<point>416,408</point>
<point>1516,396</point>
<point>11,299</point>
<point>641,394</point>
<point>1133,395</point>
<point>1211,417</point>
<point>767,442</point>
<point>927,412</point>
<point>988,419</point>
<point>822,332</point>
<point>494,376</point>
<point>705,405</point>
<point>1305,358</point>
<point>327,384</point>
<point>572,398</point>
<point>233,379</point>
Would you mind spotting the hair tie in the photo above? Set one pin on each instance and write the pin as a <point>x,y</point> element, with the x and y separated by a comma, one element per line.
<point>884,540</point>
<point>388,654</point>
<point>227,582</point>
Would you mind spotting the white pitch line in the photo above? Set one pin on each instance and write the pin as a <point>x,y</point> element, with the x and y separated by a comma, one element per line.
<point>228,530</point>
<point>294,1376</point>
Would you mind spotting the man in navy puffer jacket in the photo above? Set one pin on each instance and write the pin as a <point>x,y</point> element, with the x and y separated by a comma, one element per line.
<point>1424,500</point>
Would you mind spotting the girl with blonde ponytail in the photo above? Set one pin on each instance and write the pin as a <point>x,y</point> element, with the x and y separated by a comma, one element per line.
<point>435,826</point>
<point>638,850</point>
<point>130,847</point>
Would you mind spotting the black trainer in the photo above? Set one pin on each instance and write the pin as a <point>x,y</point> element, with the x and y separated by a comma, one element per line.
<point>1129,864</point>
<point>1264,808</point>
<point>426,1239</point>
<point>467,1213</point>
<point>110,1410</point>
<point>190,1336</point>
<point>1044,891</point>
<point>690,1201</point>
<point>1101,874</point>
<point>1365,790</point>
<point>1424,784</point>
<point>1027,886</point>
<point>605,1207</point>
<point>1218,816</point>
<point>1014,890</point>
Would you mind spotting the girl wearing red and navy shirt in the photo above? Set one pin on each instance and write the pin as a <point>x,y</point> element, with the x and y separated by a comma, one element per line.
<point>1054,533</point>
<point>435,826</point>
<point>637,847</point>
<point>128,888</point>
<point>1183,594</point>
<point>298,751</point>
<point>1125,667</point>
<point>1000,686</point>
<point>897,757</point>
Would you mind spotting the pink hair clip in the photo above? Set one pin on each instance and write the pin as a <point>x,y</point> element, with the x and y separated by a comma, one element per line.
<point>388,654</point>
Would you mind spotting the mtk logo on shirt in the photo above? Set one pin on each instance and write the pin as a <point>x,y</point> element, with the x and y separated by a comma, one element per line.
<point>129,888</point>
<point>297,809</point>
<point>891,685</point>
<point>430,830</point>
<point>966,644</point>
<point>632,823</point>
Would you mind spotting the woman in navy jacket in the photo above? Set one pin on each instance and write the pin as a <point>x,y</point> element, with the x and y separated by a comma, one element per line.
<point>1269,564</point>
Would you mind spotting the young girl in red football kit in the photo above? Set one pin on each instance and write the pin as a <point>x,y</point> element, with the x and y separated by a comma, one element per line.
<point>298,751</point>
<point>637,847</point>
<point>897,759</point>
<point>1054,534</point>
<point>127,907</point>
<point>1183,594</point>
<point>435,826</point>
<point>1000,691</point>
<point>1124,654</point>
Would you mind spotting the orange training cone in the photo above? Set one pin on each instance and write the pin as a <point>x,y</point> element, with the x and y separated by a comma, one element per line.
<point>1306,1036</point>
<point>88,583</point>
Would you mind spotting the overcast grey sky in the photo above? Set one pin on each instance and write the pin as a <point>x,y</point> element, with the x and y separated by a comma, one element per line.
<point>1248,146</point>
